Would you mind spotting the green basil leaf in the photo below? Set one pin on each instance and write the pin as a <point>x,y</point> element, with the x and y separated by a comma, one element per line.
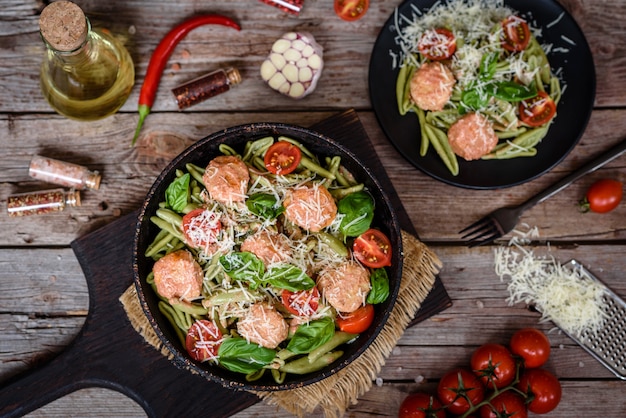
<point>474,99</point>
<point>380,287</point>
<point>310,336</point>
<point>243,266</point>
<point>264,205</point>
<point>238,355</point>
<point>511,91</point>
<point>488,64</point>
<point>358,211</point>
<point>177,193</point>
<point>288,276</point>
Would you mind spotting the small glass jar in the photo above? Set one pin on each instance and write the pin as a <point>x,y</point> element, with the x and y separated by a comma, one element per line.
<point>205,87</point>
<point>41,202</point>
<point>63,173</point>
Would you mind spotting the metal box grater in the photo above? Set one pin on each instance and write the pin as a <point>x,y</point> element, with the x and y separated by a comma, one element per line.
<point>609,345</point>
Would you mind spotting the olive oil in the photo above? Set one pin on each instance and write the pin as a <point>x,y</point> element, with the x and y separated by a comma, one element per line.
<point>87,74</point>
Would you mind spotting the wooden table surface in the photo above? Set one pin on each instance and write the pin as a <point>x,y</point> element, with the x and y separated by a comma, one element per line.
<point>43,293</point>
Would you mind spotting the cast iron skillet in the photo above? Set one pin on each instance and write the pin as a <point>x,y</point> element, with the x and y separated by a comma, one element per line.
<point>201,153</point>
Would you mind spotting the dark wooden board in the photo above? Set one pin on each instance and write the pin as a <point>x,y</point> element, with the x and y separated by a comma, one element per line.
<point>109,353</point>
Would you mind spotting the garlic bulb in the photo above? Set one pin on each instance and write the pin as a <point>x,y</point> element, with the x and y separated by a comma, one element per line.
<point>294,64</point>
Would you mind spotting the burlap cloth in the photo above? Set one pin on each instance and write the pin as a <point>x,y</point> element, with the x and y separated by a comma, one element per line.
<point>335,394</point>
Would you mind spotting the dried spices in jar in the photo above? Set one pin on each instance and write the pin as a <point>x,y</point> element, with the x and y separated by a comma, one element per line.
<point>41,202</point>
<point>205,87</point>
<point>289,6</point>
<point>63,173</point>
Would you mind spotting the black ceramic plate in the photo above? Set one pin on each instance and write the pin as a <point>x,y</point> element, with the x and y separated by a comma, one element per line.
<point>573,111</point>
<point>200,153</point>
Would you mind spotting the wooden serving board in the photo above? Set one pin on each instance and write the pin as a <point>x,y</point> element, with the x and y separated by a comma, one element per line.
<point>109,353</point>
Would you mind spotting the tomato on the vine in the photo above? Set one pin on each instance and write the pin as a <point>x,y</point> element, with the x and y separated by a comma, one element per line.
<point>531,345</point>
<point>543,389</point>
<point>203,340</point>
<point>509,403</point>
<point>282,158</point>
<point>421,405</point>
<point>494,365</point>
<point>537,111</point>
<point>437,44</point>
<point>603,196</point>
<point>373,248</point>
<point>301,303</point>
<point>516,34</point>
<point>358,321</point>
<point>457,385</point>
<point>351,9</point>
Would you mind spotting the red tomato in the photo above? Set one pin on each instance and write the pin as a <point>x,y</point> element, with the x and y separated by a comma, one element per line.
<point>603,196</point>
<point>358,321</point>
<point>421,405</point>
<point>282,157</point>
<point>538,110</point>
<point>201,228</point>
<point>516,34</point>
<point>203,340</point>
<point>437,44</point>
<point>351,10</point>
<point>532,345</point>
<point>543,387</point>
<point>494,365</point>
<point>373,249</point>
<point>457,384</point>
<point>509,403</point>
<point>302,303</point>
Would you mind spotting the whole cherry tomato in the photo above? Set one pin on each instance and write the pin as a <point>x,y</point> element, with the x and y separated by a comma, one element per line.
<point>603,196</point>
<point>543,388</point>
<point>531,345</point>
<point>494,365</point>
<point>509,403</point>
<point>421,405</point>
<point>455,386</point>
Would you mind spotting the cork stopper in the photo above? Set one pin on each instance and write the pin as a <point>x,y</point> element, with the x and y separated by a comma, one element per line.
<point>72,198</point>
<point>63,26</point>
<point>233,75</point>
<point>93,180</point>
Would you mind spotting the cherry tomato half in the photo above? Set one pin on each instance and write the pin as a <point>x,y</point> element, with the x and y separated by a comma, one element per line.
<point>458,385</point>
<point>437,44</point>
<point>532,345</point>
<point>538,110</point>
<point>516,34</point>
<point>544,388</point>
<point>282,158</point>
<point>301,303</point>
<point>373,249</point>
<point>494,365</point>
<point>358,321</point>
<point>603,196</point>
<point>507,403</point>
<point>203,340</point>
<point>201,228</point>
<point>351,10</point>
<point>421,405</point>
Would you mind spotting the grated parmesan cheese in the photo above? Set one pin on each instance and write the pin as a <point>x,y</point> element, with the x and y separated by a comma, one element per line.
<point>567,297</point>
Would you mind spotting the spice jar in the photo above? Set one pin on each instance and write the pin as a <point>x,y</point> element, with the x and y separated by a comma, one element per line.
<point>40,202</point>
<point>63,173</point>
<point>205,87</point>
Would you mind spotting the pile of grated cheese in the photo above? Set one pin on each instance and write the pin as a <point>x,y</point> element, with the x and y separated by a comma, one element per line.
<point>563,295</point>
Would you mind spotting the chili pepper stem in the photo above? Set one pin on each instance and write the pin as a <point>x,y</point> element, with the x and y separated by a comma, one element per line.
<point>144,111</point>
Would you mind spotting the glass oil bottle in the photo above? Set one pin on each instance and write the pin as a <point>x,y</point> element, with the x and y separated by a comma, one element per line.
<point>87,74</point>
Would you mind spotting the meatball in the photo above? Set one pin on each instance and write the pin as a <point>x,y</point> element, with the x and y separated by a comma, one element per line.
<point>472,136</point>
<point>226,179</point>
<point>431,86</point>
<point>311,207</point>
<point>270,247</point>
<point>177,276</point>
<point>346,286</point>
<point>263,325</point>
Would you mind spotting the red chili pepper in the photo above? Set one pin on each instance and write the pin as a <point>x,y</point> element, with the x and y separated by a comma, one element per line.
<point>162,53</point>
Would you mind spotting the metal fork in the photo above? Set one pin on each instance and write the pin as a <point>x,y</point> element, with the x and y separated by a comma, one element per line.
<point>502,221</point>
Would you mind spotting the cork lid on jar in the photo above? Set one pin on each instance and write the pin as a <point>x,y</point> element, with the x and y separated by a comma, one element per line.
<point>63,25</point>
